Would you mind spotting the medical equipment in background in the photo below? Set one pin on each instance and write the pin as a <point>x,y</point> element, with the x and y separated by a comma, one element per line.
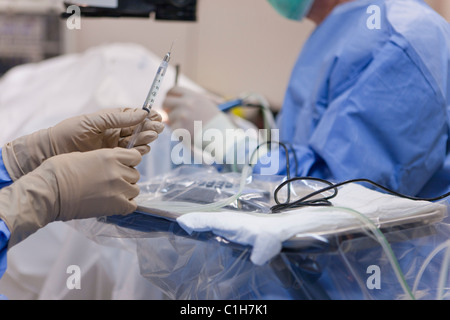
<point>177,74</point>
<point>30,31</point>
<point>150,100</point>
<point>181,10</point>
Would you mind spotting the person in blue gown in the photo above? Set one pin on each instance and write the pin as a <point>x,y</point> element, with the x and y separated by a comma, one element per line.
<point>368,96</point>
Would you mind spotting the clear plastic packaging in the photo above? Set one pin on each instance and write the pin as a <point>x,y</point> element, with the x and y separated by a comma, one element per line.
<point>378,260</point>
<point>203,188</point>
<point>199,188</point>
<point>206,266</point>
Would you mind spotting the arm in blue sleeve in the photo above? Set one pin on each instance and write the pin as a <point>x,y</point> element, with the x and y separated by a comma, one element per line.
<point>5,234</point>
<point>390,127</point>
<point>4,238</point>
<point>5,179</point>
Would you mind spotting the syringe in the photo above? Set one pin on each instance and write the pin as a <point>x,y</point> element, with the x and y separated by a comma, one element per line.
<point>148,104</point>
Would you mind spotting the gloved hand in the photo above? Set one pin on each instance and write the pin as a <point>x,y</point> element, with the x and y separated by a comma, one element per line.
<point>185,106</point>
<point>71,186</point>
<point>104,129</point>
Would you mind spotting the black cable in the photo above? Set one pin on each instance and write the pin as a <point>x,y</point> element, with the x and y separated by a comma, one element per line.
<point>303,202</point>
<point>325,200</point>
<point>291,148</point>
<point>288,166</point>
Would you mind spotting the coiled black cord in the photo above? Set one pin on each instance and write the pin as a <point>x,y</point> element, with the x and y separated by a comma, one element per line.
<point>324,201</point>
<point>306,201</point>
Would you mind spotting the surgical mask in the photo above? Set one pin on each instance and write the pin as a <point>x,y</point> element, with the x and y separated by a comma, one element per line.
<point>292,9</point>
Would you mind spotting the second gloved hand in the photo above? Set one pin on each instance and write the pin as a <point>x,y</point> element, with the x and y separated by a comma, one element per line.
<point>108,128</point>
<point>185,106</point>
<point>71,186</point>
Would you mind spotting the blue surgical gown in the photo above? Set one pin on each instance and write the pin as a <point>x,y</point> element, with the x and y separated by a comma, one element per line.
<point>372,103</point>
<point>5,234</point>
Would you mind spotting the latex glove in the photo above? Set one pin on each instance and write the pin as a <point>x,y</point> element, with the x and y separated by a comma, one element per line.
<point>184,106</point>
<point>108,128</point>
<point>71,186</point>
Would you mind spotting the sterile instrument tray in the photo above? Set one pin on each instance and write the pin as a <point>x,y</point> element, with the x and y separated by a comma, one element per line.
<point>155,221</point>
<point>204,186</point>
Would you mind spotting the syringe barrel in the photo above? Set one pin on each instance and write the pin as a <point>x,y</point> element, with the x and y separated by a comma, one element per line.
<point>148,104</point>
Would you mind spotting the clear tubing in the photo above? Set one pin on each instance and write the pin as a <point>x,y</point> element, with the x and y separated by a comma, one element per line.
<point>386,247</point>
<point>427,262</point>
<point>443,274</point>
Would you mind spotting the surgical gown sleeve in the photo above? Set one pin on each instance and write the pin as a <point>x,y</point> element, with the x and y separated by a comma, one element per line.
<point>389,125</point>
<point>5,234</point>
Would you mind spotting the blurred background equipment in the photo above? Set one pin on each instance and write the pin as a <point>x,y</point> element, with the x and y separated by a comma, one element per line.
<point>34,30</point>
<point>30,32</point>
<point>183,10</point>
